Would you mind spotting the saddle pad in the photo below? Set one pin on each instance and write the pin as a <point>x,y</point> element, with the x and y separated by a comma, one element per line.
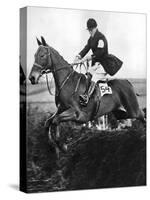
<point>105,89</point>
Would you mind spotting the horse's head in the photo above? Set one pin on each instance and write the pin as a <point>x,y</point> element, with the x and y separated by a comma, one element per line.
<point>42,61</point>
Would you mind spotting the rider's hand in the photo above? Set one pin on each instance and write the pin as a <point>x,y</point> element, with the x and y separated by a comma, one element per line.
<point>77,59</point>
<point>87,58</point>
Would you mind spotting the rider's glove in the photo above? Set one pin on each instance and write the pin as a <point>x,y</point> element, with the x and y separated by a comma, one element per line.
<point>87,58</point>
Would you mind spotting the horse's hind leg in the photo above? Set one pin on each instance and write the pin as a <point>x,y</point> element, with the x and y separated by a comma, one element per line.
<point>130,103</point>
<point>141,116</point>
<point>134,111</point>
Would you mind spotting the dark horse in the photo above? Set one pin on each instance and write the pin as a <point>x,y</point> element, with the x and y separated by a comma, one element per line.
<point>70,84</point>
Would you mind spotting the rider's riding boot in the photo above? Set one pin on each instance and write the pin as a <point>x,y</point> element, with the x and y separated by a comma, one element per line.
<point>84,98</point>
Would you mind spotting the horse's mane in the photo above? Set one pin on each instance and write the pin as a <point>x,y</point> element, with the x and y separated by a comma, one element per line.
<point>58,58</point>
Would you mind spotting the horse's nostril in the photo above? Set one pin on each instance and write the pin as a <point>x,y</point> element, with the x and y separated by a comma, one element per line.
<point>32,79</point>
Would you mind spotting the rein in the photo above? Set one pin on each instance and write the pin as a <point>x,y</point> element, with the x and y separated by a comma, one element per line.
<point>65,80</point>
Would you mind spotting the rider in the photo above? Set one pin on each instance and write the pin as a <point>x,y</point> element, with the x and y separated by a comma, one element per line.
<point>99,46</point>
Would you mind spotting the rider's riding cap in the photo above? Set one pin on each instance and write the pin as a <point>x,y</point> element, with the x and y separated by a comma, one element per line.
<point>91,23</point>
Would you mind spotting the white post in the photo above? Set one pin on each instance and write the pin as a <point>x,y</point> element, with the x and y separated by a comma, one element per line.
<point>106,122</point>
<point>102,122</point>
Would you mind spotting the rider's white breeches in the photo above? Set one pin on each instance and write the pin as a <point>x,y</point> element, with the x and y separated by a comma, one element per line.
<point>98,72</point>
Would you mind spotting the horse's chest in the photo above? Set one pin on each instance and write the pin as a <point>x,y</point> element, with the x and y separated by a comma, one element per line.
<point>63,99</point>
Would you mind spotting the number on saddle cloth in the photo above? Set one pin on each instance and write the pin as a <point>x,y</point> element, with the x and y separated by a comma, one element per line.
<point>104,89</point>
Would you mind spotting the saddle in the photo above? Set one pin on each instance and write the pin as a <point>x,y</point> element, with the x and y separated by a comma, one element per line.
<point>101,84</point>
<point>91,86</point>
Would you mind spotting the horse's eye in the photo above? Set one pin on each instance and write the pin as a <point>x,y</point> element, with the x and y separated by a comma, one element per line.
<point>42,56</point>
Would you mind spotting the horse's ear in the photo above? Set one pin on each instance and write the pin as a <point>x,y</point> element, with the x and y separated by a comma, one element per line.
<point>38,41</point>
<point>43,41</point>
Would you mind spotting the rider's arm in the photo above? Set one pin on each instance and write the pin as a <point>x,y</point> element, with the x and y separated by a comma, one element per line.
<point>101,48</point>
<point>85,50</point>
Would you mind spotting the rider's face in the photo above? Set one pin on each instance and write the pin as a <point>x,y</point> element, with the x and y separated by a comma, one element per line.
<point>92,31</point>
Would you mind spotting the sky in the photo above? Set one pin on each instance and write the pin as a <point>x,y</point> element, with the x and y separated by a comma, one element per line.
<point>65,30</point>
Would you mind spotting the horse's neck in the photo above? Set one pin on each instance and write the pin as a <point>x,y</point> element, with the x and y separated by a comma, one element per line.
<point>60,76</point>
<point>62,68</point>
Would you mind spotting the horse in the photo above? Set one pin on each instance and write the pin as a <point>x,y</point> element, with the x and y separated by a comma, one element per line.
<point>70,85</point>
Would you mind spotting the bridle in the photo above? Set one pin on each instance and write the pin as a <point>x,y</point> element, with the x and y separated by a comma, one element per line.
<point>44,69</point>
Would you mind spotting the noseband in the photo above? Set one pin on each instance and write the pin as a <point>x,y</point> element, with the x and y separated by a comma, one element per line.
<point>42,71</point>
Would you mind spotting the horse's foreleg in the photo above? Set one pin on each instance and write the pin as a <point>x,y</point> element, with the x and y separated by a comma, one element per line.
<point>71,115</point>
<point>68,115</point>
<point>48,122</point>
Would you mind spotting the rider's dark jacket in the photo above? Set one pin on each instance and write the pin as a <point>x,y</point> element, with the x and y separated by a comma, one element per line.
<point>110,63</point>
